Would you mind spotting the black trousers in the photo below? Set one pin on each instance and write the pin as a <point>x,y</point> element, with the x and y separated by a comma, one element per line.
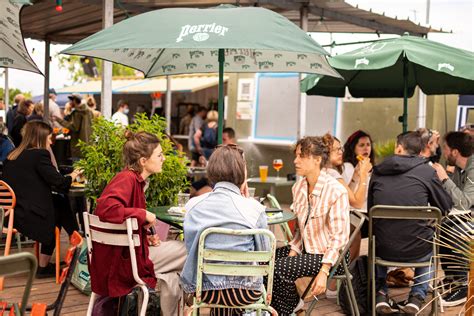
<point>64,218</point>
<point>287,270</point>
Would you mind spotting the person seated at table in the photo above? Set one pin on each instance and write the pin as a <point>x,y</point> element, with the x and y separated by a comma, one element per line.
<point>124,197</point>
<point>321,205</point>
<point>405,179</point>
<point>227,206</point>
<point>357,198</point>
<point>458,149</point>
<point>202,185</point>
<point>358,148</point>
<point>32,176</point>
<point>430,142</point>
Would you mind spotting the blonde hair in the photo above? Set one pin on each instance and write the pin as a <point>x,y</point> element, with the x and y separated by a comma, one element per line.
<point>35,135</point>
<point>212,116</point>
<point>39,109</point>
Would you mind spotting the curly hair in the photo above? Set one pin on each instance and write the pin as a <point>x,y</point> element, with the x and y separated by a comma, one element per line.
<point>316,146</point>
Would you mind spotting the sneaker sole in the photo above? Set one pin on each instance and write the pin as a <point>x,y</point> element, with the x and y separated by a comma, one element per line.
<point>454,303</point>
<point>383,308</point>
<point>410,309</point>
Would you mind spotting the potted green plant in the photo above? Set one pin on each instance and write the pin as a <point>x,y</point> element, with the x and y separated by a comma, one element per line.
<point>383,150</point>
<point>102,159</point>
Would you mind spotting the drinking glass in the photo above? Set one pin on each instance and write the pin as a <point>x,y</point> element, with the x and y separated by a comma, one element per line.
<point>183,198</point>
<point>277,165</point>
<point>263,173</point>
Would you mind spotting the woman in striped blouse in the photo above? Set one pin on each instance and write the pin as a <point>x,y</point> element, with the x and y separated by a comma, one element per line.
<point>321,205</point>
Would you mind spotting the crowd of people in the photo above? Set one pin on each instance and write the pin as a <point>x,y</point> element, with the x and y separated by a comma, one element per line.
<point>333,179</point>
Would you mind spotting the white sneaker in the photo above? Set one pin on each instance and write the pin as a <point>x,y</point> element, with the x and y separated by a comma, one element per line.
<point>330,294</point>
<point>299,306</point>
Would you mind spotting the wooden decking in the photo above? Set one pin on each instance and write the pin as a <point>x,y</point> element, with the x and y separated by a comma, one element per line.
<point>45,290</point>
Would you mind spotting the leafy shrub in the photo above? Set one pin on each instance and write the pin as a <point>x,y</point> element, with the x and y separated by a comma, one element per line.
<point>384,150</point>
<point>103,160</point>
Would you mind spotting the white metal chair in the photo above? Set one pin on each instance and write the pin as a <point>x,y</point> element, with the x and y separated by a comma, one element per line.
<point>210,261</point>
<point>115,237</point>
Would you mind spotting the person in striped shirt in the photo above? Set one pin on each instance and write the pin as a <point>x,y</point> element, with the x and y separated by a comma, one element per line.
<point>321,205</point>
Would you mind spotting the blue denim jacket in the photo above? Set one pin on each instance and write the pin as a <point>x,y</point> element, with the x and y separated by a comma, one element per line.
<point>224,207</point>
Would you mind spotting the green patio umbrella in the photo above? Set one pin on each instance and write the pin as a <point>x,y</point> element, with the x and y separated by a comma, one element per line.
<point>394,67</point>
<point>13,53</point>
<point>185,40</point>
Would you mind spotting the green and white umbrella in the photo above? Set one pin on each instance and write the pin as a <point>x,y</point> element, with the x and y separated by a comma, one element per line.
<point>394,67</point>
<point>13,53</point>
<point>186,40</point>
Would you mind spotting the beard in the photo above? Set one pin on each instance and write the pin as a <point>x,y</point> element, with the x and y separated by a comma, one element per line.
<point>450,160</point>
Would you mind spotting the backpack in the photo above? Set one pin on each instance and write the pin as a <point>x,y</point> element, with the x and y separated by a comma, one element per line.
<point>209,137</point>
<point>81,278</point>
<point>359,270</point>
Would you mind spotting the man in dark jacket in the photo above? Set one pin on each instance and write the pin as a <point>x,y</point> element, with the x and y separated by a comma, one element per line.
<point>405,179</point>
<point>12,112</point>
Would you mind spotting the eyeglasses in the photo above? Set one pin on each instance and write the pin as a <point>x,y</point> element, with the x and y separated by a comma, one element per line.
<point>338,150</point>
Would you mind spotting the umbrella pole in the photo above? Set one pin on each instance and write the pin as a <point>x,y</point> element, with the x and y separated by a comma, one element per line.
<point>405,95</point>
<point>221,59</point>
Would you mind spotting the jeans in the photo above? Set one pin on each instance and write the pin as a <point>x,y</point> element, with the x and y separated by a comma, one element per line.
<point>422,277</point>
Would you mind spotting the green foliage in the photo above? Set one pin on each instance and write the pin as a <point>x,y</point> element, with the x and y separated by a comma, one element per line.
<point>103,160</point>
<point>73,65</point>
<point>12,93</point>
<point>383,150</point>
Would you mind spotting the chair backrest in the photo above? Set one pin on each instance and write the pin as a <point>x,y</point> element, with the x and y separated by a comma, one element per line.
<point>273,201</point>
<point>120,235</point>
<point>404,212</point>
<point>7,197</point>
<point>230,263</point>
<point>20,263</point>
<point>357,220</point>
<point>428,213</point>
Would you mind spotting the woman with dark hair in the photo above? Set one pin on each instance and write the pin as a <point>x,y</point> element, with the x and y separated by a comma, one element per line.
<point>321,205</point>
<point>25,108</point>
<point>358,159</point>
<point>227,206</point>
<point>122,198</point>
<point>32,176</point>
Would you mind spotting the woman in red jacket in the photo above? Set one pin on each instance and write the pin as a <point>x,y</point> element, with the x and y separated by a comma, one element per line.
<point>122,198</point>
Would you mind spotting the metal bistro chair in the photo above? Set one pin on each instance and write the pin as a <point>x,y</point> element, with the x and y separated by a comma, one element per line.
<point>114,235</point>
<point>210,262</point>
<point>284,226</point>
<point>8,203</point>
<point>14,264</point>
<point>357,220</point>
<point>427,213</point>
<point>70,259</point>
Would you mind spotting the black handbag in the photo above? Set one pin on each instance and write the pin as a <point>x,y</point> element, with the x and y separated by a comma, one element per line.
<point>129,303</point>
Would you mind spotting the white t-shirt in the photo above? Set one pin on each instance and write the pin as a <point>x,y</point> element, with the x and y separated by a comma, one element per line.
<point>54,111</point>
<point>120,118</point>
<point>352,180</point>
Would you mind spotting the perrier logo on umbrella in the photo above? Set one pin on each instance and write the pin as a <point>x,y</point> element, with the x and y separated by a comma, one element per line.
<point>201,31</point>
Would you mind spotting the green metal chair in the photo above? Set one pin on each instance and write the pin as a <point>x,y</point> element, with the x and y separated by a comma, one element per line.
<point>284,226</point>
<point>20,263</point>
<point>230,263</point>
<point>357,220</point>
<point>427,213</point>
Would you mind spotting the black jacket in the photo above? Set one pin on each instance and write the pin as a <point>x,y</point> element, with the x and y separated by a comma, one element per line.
<point>11,117</point>
<point>405,181</point>
<point>32,177</point>
<point>18,123</point>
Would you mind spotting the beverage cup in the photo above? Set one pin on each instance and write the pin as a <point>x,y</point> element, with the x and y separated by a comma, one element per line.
<point>263,173</point>
<point>183,198</point>
<point>251,192</point>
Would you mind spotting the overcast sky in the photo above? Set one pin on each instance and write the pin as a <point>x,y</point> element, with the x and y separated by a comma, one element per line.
<point>455,15</point>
